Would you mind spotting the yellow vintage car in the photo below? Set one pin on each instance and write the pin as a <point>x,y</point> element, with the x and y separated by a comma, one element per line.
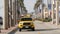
<point>26,23</point>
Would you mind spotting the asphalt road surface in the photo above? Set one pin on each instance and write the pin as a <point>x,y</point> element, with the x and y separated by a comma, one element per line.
<point>40,28</point>
<point>0,26</point>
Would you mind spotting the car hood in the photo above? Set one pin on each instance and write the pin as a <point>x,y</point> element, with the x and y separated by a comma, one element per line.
<point>26,21</point>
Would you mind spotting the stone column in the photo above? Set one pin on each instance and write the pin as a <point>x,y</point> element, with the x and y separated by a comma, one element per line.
<point>10,13</point>
<point>52,11</point>
<point>37,12</point>
<point>16,11</point>
<point>40,11</point>
<point>19,9</point>
<point>5,17</point>
<point>57,12</point>
<point>13,12</point>
<point>44,11</point>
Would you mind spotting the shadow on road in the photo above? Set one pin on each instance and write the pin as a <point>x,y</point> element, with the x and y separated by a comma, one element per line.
<point>13,32</point>
<point>47,29</point>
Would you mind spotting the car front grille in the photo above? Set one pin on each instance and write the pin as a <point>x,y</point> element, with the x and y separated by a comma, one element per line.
<point>26,23</point>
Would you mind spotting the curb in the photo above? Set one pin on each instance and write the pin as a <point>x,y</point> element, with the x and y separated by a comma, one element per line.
<point>13,31</point>
<point>9,31</point>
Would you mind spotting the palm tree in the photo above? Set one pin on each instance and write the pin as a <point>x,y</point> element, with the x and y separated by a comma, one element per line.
<point>22,5</point>
<point>37,4</point>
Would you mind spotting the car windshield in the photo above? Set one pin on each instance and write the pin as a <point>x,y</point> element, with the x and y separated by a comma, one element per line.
<point>26,19</point>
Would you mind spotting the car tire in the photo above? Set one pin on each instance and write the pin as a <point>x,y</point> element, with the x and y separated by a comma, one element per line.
<point>1,23</point>
<point>19,29</point>
<point>33,29</point>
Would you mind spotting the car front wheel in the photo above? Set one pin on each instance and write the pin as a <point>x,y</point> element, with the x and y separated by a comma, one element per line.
<point>19,29</point>
<point>33,29</point>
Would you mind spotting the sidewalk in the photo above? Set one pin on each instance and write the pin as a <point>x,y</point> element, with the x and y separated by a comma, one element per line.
<point>52,25</point>
<point>9,30</point>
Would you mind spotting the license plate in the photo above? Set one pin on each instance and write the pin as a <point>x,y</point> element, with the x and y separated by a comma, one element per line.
<point>26,26</point>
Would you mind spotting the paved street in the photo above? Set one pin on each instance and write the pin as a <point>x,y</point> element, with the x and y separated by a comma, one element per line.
<point>40,28</point>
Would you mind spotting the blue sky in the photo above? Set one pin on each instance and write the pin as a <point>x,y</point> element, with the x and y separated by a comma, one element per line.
<point>29,4</point>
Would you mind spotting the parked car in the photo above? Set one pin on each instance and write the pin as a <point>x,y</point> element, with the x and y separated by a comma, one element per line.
<point>1,20</point>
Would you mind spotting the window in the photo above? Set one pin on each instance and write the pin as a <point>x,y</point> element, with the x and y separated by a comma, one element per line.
<point>26,19</point>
